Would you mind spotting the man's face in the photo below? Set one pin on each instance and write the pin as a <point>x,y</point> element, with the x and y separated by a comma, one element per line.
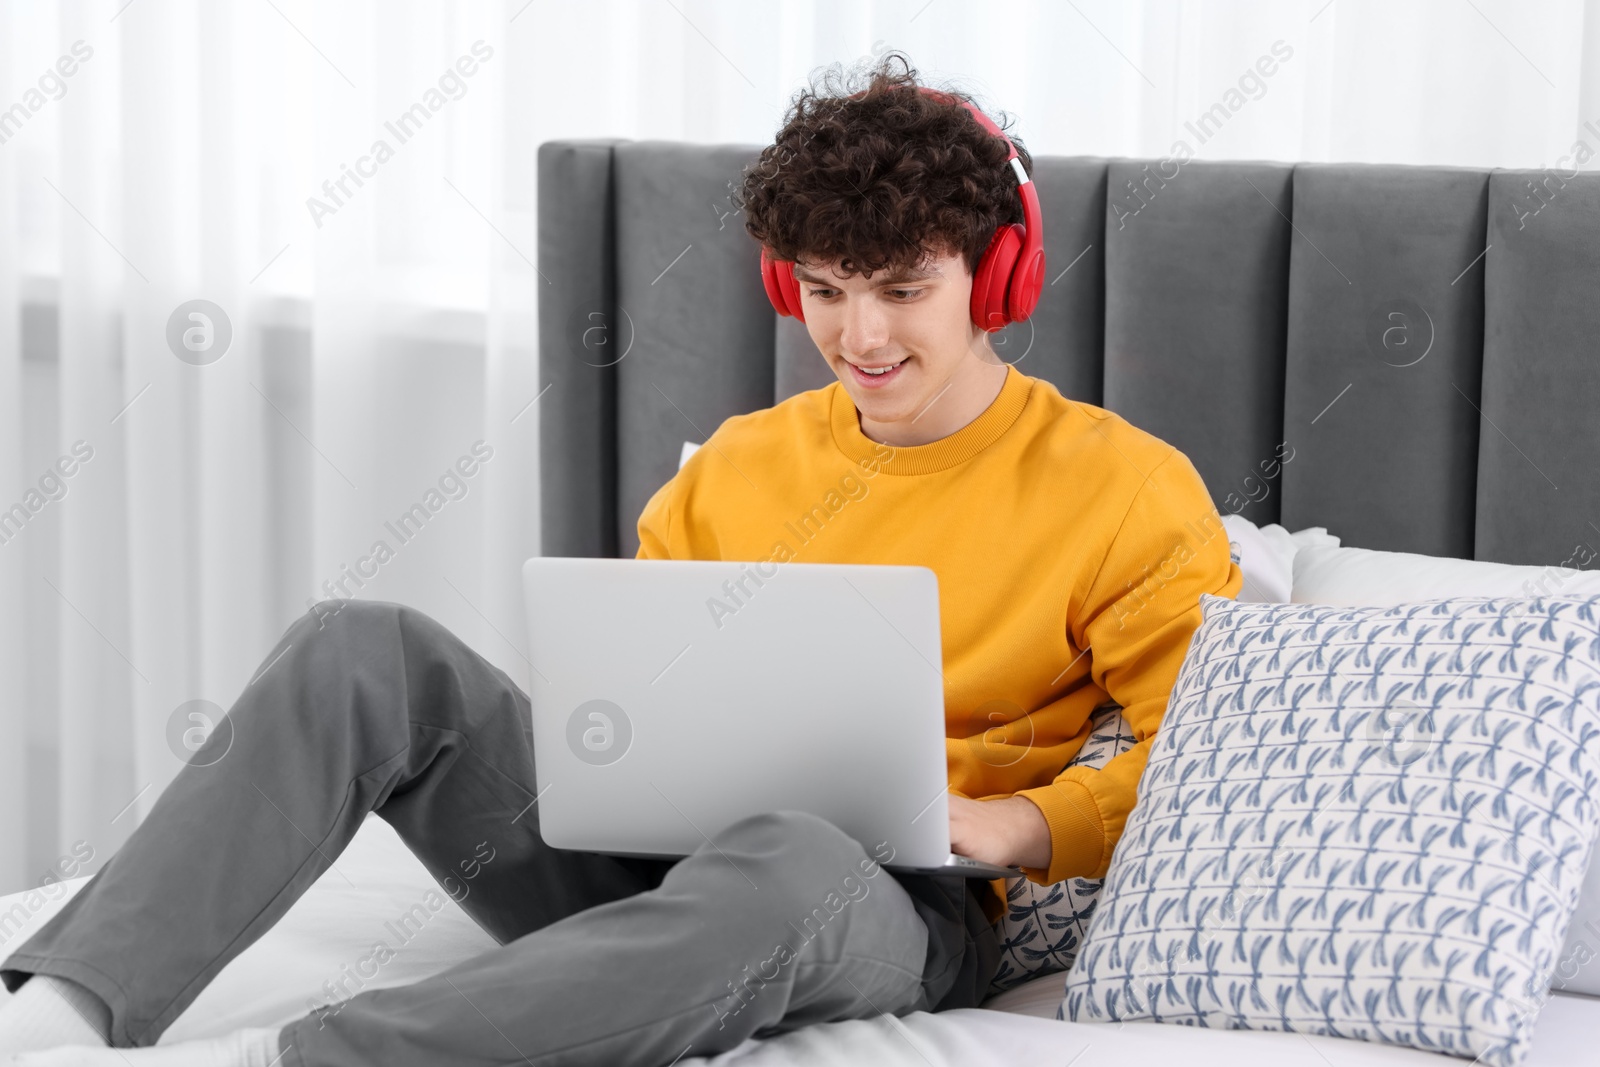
<point>919,319</point>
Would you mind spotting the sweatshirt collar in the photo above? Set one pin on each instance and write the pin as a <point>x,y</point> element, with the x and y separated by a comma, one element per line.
<point>934,456</point>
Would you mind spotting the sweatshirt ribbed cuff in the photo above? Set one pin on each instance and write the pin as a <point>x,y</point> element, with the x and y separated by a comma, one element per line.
<point>1077,835</point>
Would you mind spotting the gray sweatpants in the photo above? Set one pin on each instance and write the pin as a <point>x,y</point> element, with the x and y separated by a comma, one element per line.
<point>601,959</point>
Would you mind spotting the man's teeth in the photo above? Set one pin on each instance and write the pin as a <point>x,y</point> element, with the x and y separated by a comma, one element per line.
<point>885,370</point>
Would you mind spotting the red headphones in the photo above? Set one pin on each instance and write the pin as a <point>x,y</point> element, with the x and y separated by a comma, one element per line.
<point>1010,274</point>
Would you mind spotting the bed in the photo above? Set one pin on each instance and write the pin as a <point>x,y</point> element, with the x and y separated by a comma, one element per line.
<point>376,879</point>
<point>1400,355</point>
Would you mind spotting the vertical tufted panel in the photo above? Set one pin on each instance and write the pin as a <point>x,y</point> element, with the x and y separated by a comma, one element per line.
<point>800,365</point>
<point>1386,326</point>
<point>577,410</point>
<point>687,282</point>
<point>1196,290</point>
<point>1063,342</point>
<point>1538,483</point>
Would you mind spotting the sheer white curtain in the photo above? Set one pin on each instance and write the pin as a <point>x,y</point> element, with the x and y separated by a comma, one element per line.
<point>382,303</point>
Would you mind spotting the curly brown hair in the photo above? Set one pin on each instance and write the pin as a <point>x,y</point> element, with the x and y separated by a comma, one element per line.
<point>881,177</point>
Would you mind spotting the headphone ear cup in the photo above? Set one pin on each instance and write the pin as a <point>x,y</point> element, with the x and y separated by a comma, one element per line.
<point>777,277</point>
<point>1027,285</point>
<point>989,285</point>
<point>791,289</point>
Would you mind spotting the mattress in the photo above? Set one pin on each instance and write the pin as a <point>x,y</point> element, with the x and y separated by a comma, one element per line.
<point>376,879</point>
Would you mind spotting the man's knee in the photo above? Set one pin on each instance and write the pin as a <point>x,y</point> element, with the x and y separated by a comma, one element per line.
<point>363,628</point>
<point>378,620</point>
<point>336,637</point>
<point>351,613</point>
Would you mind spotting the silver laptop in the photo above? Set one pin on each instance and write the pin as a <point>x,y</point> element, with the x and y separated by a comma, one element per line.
<point>672,698</point>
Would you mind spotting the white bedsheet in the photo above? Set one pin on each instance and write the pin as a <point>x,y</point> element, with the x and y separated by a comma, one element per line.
<point>1019,1027</point>
<point>376,880</point>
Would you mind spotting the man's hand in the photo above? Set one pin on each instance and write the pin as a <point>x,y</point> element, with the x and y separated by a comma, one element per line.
<point>1010,831</point>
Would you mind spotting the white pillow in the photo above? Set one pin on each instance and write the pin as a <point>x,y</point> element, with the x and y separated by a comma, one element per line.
<point>1266,555</point>
<point>1361,577</point>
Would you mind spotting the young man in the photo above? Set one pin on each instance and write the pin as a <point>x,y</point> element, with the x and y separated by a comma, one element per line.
<point>1071,549</point>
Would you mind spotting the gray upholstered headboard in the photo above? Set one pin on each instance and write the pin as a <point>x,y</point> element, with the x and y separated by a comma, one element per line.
<point>1437,398</point>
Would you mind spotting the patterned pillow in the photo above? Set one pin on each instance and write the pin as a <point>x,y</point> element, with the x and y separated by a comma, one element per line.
<point>1043,925</point>
<point>1363,822</point>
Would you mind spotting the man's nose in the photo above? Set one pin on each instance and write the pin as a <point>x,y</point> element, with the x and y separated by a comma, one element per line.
<point>865,326</point>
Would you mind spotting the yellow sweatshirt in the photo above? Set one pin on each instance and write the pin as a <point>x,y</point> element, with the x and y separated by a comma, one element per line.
<point>1071,549</point>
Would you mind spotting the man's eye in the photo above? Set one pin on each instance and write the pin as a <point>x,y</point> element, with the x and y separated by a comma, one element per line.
<point>898,294</point>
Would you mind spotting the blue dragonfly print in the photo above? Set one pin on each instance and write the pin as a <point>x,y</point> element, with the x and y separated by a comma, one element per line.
<point>1411,890</point>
